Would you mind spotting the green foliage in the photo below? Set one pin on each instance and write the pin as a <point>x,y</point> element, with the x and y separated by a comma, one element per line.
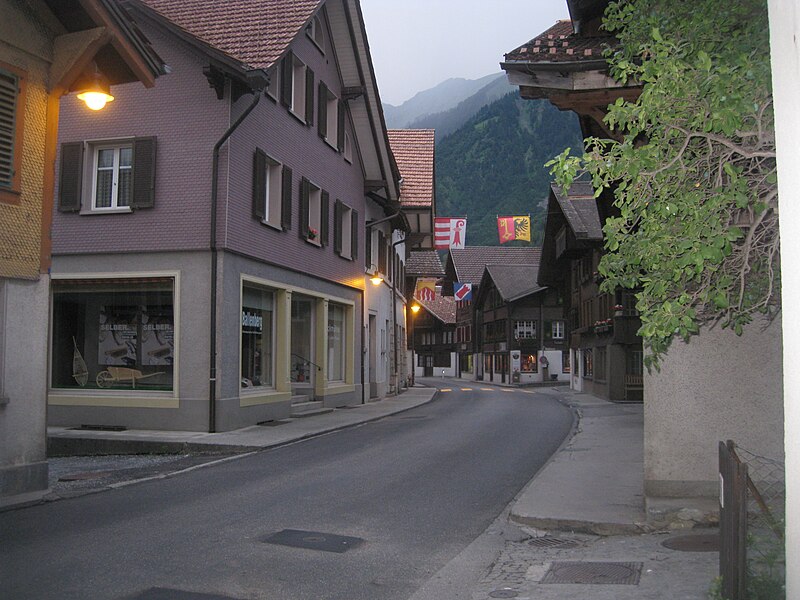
<point>494,164</point>
<point>693,166</point>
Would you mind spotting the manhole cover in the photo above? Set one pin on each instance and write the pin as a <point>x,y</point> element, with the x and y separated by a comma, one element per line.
<point>551,542</point>
<point>313,540</point>
<point>84,476</point>
<point>503,593</point>
<point>708,542</point>
<point>603,573</point>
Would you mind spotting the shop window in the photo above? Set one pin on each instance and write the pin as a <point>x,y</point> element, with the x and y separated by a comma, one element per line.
<point>272,191</point>
<point>529,364</point>
<point>258,349</point>
<point>113,334</point>
<point>336,342</point>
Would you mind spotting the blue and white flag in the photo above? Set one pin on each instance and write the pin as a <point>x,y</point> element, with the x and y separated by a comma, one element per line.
<point>462,291</point>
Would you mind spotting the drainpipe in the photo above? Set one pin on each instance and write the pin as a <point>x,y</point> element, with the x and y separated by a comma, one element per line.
<point>258,82</point>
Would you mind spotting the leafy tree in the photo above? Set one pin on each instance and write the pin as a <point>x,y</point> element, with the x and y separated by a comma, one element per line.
<point>693,167</point>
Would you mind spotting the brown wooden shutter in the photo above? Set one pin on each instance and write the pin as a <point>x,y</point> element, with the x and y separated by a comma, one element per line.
<point>143,194</point>
<point>259,184</point>
<point>70,183</point>
<point>340,129</point>
<point>324,217</point>
<point>322,110</point>
<point>381,253</point>
<point>337,227</point>
<point>286,200</point>
<point>287,78</point>
<point>309,97</point>
<point>354,233</point>
<point>304,190</point>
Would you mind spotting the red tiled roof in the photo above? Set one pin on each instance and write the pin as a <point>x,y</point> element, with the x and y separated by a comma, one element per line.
<point>559,44</point>
<point>413,151</point>
<point>254,32</point>
<point>424,263</point>
<point>469,262</point>
<point>441,307</point>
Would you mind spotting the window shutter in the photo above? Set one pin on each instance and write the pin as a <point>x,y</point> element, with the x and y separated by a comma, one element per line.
<point>368,249</point>
<point>70,184</point>
<point>303,230</point>
<point>144,172</point>
<point>287,76</point>
<point>9,91</point>
<point>381,253</point>
<point>309,97</point>
<point>259,184</point>
<point>322,109</point>
<point>354,233</point>
<point>286,200</point>
<point>340,130</point>
<point>337,227</point>
<point>325,200</point>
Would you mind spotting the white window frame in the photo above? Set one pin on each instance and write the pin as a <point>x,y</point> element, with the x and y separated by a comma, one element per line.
<point>116,147</point>
<point>346,231</point>
<point>341,348</point>
<point>316,32</point>
<point>557,329</point>
<point>332,121</point>
<point>525,330</point>
<point>347,150</point>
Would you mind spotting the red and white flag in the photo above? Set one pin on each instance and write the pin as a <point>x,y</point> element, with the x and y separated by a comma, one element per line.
<point>449,233</point>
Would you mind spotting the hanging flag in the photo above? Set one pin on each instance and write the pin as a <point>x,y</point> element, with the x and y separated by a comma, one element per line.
<point>514,228</point>
<point>449,233</point>
<point>426,290</point>
<point>462,291</point>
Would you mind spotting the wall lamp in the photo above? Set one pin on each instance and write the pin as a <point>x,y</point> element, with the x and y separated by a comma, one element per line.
<point>95,90</point>
<point>376,278</point>
<point>415,308</point>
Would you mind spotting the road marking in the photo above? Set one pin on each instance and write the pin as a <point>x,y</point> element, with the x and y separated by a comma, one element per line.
<point>507,390</point>
<point>445,390</point>
<point>486,389</point>
<point>466,389</point>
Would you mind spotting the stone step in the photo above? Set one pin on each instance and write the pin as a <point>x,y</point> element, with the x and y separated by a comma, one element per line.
<point>308,409</point>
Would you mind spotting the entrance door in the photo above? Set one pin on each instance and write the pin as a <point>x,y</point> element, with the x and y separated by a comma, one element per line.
<point>302,359</point>
<point>373,357</point>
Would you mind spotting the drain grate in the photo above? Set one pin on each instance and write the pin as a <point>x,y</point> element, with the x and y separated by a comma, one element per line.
<point>551,542</point>
<point>313,540</point>
<point>601,573</point>
<point>708,542</point>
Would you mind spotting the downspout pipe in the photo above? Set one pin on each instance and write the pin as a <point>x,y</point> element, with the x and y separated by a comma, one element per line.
<point>259,83</point>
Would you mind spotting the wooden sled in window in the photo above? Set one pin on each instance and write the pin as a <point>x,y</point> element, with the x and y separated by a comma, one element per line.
<point>112,375</point>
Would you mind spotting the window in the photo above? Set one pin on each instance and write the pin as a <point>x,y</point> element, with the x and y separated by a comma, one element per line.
<point>313,213</point>
<point>111,181</point>
<point>330,121</point>
<point>258,350</point>
<point>557,329</point>
<point>274,86</point>
<point>345,232</point>
<point>297,88</point>
<point>525,330</point>
<point>565,365</point>
<point>110,334</point>
<point>336,342</point>
<point>600,363</point>
<point>117,177</point>
<point>315,31</point>
<point>12,102</point>
<point>529,364</point>
<point>347,148</point>
<point>272,191</point>
<point>588,370</point>
<point>634,362</point>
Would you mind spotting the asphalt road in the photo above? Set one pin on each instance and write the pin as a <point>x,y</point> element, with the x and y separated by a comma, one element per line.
<point>415,489</point>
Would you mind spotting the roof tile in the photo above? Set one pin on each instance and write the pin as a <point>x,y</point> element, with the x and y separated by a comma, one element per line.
<point>570,48</point>
<point>413,151</point>
<point>470,262</point>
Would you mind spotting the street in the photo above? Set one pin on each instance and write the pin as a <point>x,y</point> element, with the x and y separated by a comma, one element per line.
<point>414,489</point>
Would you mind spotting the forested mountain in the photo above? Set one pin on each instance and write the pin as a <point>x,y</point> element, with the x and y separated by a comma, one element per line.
<point>494,165</point>
<point>440,98</point>
<point>448,121</point>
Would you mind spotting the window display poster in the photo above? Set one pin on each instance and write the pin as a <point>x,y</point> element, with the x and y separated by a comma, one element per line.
<point>158,337</point>
<point>117,336</point>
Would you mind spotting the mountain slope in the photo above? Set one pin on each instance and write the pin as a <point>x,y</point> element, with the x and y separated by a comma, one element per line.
<point>437,99</point>
<point>494,164</point>
<point>448,121</point>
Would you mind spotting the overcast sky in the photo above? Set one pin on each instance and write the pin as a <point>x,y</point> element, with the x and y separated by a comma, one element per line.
<point>417,44</point>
